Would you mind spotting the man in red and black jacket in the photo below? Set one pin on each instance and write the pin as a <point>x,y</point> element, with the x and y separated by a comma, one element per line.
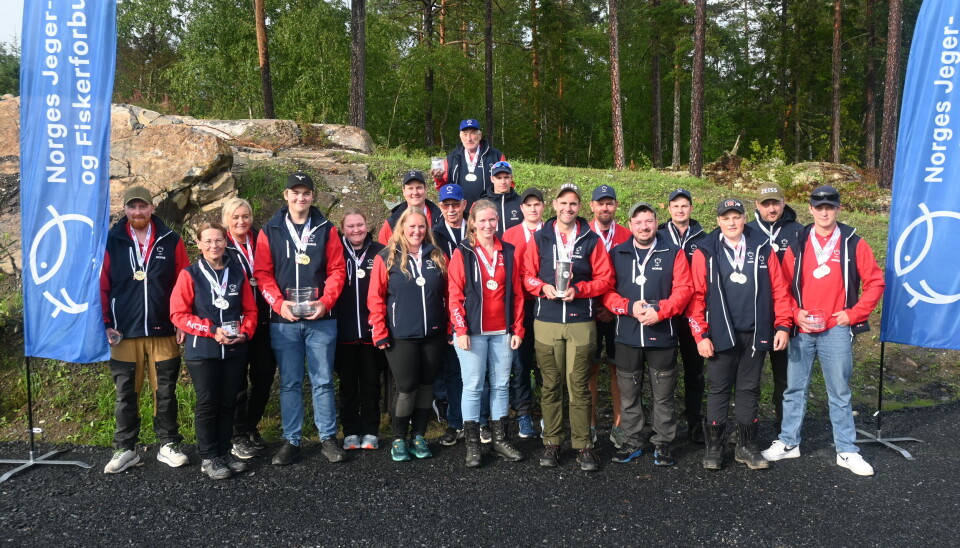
<point>468,165</point>
<point>299,254</point>
<point>143,259</point>
<point>414,195</point>
<point>566,252</point>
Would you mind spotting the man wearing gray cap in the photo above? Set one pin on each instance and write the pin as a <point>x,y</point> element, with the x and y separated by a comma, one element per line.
<point>652,285</point>
<point>778,221</point>
<point>738,285</point>
<point>826,267</point>
<point>143,260</point>
<point>687,234</point>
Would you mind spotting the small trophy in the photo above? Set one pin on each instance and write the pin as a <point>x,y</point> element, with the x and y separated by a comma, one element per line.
<point>302,297</point>
<point>232,329</point>
<point>817,319</point>
<point>436,164</point>
<point>564,273</point>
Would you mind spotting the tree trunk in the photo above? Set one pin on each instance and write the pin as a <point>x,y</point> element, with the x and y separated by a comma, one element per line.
<point>259,15</point>
<point>538,121</point>
<point>870,117</point>
<point>616,113</point>
<point>488,69</point>
<point>891,95</point>
<point>835,73</point>
<point>358,63</point>
<point>696,92</point>
<point>428,77</point>
<point>443,22</point>
<point>655,78</point>
<point>675,159</point>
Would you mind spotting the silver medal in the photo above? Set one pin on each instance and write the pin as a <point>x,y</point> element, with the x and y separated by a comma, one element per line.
<point>221,303</point>
<point>361,273</point>
<point>821,271</point>
<point>775,247</point>
<point>492,285</point>
<point>470,177</point>
<point>641,279</point>
<point>421,281</point>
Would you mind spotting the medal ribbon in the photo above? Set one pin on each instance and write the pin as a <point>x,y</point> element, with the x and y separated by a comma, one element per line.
<point>300,242</point>
<point>417,261</point>
<point>246,253</point>
<point>739,253</point>
<point>771,234</point>
<point>823,253</point>
<point>565,250</point>
<point>141,259</point>
<point>218,289</point>
<point>607,240</point>
<point>453,236</point>
<point>642,265</point>
<point>353,256</point>
<point>490,268</point>
<point>472,165</point>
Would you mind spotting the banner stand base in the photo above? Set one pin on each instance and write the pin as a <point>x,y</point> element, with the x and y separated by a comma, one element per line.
<point>878,438</point>
<point>25,464</point>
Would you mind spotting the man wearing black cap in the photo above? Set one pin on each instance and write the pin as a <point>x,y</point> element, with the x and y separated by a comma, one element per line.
<point>779,222</point>
<point>504,197</point>
<point>143,260</point>
<point>826,267</point>
<point>299,250</point>
<point>566,252</point>
<point>604,204</point>
<point>469,164</point>
<point>521,391</point>
<point>687,234</point>
<point>652,285</point>
<point>737,283</point>
<point>415,196</point>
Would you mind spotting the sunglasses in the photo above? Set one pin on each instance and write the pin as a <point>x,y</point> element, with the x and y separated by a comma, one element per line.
<point>500,164</point>
<point>824,196</point>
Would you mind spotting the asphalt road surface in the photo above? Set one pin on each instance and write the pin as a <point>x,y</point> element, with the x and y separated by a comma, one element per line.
<point>370,500</point>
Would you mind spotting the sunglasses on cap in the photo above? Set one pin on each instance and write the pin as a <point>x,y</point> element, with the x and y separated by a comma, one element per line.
<point>825,196</point>
<point>500,164</point>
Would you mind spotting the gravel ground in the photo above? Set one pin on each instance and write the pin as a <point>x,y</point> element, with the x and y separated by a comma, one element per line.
<point>808,501</point>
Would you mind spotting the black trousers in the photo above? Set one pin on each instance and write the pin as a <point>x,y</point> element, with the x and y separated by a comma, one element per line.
<point>663,386</point>
<point>524,359</point>
<point>693,381</point>
<point>739,367</point>
<point>359,367</point>
<point>414,364</point>
<point>216,383</point>
<point>606,333</point>
<point>127,411</point>
<point>778,363</point>
<point>261,368</point>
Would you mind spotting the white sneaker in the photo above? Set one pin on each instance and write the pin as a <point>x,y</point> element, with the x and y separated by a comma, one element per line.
<point>779,451</point>
<point>855,463</point>
<point>171,455</point>
<point>370,442</point>
<point>122,459</point>
<point>351,442</point>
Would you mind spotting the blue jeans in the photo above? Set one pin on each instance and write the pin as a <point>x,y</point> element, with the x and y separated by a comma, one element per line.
<point>315,341</point>
<point>834,348</point>
<point>489,357</point>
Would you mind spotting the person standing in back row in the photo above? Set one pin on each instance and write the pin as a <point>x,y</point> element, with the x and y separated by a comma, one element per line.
<point>504,197</point>
<point>468,165</point>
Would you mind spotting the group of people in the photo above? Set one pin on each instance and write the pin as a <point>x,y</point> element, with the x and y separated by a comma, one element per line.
<point>461,302</point>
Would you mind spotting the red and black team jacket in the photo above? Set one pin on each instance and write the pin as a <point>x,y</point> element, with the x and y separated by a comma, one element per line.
<point>592,273</point>
<point>193,311</point>
<point>508,209</point>
<point>402,309</point>
<point>465,286</point>
<point>456,170</point>
<point>434,217</point>
<point>239,258</point>
<point>667,285</point>
<point>277,269</point>
<point>140,308</point>
<point>353,324</point>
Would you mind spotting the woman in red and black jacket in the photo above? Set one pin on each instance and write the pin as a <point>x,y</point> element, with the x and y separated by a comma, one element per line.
<point>214,305</point>
<point>261,364</point>
<point>486,310</point>
<point>358,363</point>
<point>408,313</point>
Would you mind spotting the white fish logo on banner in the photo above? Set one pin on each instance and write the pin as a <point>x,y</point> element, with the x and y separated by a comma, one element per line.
<point>59,221</point>
<point>904,264</point>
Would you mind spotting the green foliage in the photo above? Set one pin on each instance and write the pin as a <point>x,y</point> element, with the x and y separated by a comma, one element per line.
<point>9,69</point>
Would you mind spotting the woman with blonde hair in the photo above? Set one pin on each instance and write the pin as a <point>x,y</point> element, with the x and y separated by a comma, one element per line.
<point>486,310</point>
<point>261,364</point>
<point>407,302</point>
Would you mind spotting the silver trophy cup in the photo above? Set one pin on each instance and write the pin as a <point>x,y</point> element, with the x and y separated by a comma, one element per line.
<point>564,275</point>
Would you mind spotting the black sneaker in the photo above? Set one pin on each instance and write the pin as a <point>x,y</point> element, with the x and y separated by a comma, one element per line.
<point>451,436</point>
<point>627,453</point>
<point>695,432</point>
<point>486,435</point>
<point>244,450</point>
<point>331,449</point>
<point>235,465</point>
<point>662,456</point>
<point>588,460</point>
<point>288,454</point>
<point>256,441</point>
<point>551,456</point>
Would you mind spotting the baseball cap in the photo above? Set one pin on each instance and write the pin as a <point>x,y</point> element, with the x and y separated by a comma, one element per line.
<point>137,193</point>
<point>451,192</point>
<point>470,124</point>
<point>770,192</point>
<point>413,175</point>
<point>730,204</point>
<point>535,192</point>
<point>825,194</point>
<point>568,187</point>
<point>501,167</point>
<point>681,192</point>
<point>604,191</point>
<point>299,178</point>
<point>639,206</point>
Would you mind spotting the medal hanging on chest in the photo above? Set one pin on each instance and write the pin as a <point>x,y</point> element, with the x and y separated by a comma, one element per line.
<point>245,252</point>
<point>641,266</point>
<point>141,257</point>
<point>608,238</point>
<point>771,235</point>
<point>217,289</point>
<point>472,165</point>
<point>357,261</point>
<point>736,260</point>
<point>490,268</point>
<point>824,253</point>
<point>300,242</point>
<point>418,264</point>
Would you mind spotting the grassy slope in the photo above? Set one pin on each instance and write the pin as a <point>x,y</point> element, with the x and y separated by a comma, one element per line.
<point>74,402</point>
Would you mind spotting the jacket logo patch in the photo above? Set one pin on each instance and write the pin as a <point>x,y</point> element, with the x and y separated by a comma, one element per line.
<point>430,265</point>
<point>656,261</point>
<point>233,288</point>
<point>578,250</point>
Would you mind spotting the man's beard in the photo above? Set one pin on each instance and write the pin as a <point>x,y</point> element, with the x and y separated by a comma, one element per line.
<point>139,224</point>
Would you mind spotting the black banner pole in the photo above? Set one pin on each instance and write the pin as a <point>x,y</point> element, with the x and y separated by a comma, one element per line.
<point>878,437</point>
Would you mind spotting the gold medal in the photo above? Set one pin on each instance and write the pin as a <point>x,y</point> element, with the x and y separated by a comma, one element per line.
<point>139,275</point>
<point>303,258</point>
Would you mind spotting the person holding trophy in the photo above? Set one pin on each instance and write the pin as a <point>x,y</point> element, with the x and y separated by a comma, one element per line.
<point>213,304</point>
<point>567,268</point>
<point>298,252</point>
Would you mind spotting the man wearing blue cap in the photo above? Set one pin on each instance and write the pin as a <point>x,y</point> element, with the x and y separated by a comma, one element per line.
<point>414,190</point>
<point>504,197</point>
<point>469,164</point>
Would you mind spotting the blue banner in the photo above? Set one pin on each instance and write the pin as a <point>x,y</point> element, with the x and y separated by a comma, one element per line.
<point>921,305</point>
<point>68,54</point>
